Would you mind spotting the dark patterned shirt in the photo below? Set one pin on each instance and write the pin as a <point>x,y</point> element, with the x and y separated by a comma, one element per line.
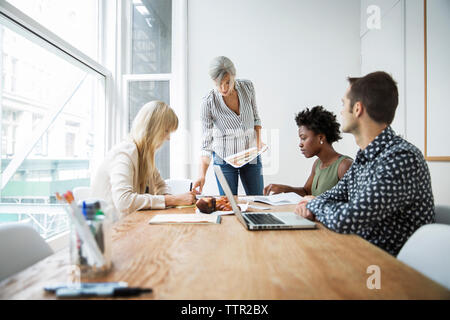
<point>384,197</point>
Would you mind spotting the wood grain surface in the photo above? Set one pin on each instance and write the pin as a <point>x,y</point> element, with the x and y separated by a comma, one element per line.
<point>225,261</point>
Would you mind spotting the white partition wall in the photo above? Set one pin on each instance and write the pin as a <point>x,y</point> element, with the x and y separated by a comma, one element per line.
<point>297,53</point>
<point>407,18</point>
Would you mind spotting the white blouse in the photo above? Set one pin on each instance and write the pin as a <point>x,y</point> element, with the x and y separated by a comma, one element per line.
<point>225,132</point>
<point>116,182</point>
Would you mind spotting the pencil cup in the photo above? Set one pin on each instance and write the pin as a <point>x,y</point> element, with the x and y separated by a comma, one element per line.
<point>90,239</point>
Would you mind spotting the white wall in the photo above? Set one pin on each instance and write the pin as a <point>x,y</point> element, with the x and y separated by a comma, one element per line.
<point>382,49</point>
<point>440,171</point>
<point>298,54</point>
<point>407,19</point>
<point>438,80</point>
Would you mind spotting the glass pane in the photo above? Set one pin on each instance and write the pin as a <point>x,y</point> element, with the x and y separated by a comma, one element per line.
<point>52,129</point>
<point>141,92</point>
<point>75,21</point>
<point>151,36</point>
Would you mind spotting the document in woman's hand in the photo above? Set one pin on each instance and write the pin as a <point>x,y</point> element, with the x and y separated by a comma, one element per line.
<point>239,159</point>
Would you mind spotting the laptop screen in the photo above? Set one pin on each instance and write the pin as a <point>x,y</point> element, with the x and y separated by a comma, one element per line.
<point>229,194</point>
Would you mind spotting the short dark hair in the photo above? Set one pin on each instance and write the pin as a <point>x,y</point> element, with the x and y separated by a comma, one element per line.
<point>320,121</point>
<point>378,93</point>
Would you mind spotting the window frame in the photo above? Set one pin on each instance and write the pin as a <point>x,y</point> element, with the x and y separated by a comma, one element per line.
<point>70,53</point>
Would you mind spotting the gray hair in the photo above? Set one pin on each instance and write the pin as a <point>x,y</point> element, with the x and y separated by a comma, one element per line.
<point>219,67</point>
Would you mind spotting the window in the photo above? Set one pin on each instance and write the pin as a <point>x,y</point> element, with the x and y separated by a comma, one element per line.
<point>141,92</point>
<point>149,64</point>
<point>75,21</point>
<point>151,42</point>
<point>53,105</point>
<point>57,99</point>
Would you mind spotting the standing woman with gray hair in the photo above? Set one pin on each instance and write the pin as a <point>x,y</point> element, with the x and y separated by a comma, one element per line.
<point>230,124</point>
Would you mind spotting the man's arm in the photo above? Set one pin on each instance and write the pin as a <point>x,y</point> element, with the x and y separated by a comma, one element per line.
<point>338,194</point>
<point>384,192</point>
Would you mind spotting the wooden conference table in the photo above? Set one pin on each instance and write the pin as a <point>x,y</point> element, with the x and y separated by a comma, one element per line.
<point>225,261</point>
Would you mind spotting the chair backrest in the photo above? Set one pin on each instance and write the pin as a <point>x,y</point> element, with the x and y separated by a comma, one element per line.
<point>442,214</point>
<point>178,186</point>
<point>20,247</point>
<point>81,193</point>
<point>428,251</point>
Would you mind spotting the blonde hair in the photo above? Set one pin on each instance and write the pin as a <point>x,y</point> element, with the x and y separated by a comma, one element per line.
<point>154,121</point>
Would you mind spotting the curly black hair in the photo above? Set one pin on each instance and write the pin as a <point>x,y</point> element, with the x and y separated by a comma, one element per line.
<point>320,121</point>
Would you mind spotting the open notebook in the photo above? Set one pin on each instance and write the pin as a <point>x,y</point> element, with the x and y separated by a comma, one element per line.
<point>279,199</point>
<point>185,219</point>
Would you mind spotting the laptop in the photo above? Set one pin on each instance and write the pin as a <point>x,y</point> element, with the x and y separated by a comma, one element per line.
<point>263,220</point>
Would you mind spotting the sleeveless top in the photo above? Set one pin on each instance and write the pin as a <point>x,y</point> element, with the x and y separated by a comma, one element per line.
<point>326,178</point>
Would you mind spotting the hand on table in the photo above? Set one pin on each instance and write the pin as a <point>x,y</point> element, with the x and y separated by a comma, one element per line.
<point>275,188</point>
<point>184,199</point>
<point>301,209</point>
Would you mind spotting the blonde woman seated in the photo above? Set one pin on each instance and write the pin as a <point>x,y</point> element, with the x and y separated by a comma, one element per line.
<point>128,178</point>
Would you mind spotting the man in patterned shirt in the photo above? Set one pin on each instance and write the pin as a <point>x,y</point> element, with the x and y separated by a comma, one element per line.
<point>386,194</point>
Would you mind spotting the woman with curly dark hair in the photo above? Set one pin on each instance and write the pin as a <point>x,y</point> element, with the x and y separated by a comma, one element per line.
<point>317,130</point>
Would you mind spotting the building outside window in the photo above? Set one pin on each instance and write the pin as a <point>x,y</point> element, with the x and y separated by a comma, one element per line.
<point>52,109</point>
<point>56,97</point>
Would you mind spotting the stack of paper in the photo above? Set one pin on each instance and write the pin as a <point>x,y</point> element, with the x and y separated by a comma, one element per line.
<point>279,199</point>
<point>184,218</point>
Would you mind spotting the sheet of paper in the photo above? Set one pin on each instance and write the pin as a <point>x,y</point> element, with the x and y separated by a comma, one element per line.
<point>258,207</point>
<point>279,199</point>
<point>184,218</point>
<point>189,206</point>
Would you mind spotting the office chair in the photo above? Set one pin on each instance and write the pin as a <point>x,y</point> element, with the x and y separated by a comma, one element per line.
<point>442,214</point>
<point>20,247</point>
<point>427,251</point>
<point>178,186</point>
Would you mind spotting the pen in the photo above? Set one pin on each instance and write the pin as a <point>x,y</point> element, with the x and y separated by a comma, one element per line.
<point>190,188</point>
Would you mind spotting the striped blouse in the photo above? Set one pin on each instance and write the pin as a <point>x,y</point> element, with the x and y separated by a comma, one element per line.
<point>225,132</point>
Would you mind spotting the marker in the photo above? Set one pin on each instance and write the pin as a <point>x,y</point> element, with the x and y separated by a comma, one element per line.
<point>100,292</point>
<point>53,287</point>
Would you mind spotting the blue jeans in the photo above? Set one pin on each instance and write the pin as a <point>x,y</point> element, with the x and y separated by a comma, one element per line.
<point>251,176</point>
